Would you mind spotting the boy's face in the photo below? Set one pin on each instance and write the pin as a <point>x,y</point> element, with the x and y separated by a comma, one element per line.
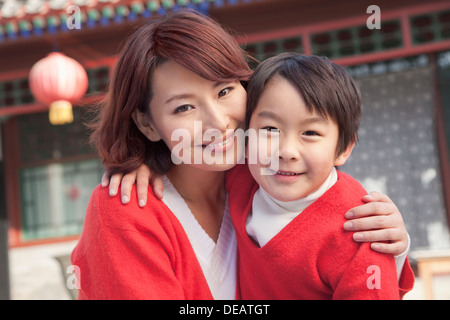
<point>307,142</point>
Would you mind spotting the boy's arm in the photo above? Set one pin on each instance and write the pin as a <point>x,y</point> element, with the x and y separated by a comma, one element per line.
<point>401,259</point>
<point>371,276</point>
<point>380,223</point>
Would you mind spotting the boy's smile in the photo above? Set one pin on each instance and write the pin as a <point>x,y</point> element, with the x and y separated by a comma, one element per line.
<point>307,142</point>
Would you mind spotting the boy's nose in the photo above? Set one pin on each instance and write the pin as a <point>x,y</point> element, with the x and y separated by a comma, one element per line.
<point>289,149</point>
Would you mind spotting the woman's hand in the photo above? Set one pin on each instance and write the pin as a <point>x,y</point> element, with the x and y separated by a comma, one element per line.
<point>142,176</point>
<point>378,221</point>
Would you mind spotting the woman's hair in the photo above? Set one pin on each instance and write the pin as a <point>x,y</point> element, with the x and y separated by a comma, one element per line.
<point>186,37</point>
<point>325,87</point>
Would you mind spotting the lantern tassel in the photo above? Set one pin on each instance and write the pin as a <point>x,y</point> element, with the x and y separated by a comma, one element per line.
<point>60,112</point>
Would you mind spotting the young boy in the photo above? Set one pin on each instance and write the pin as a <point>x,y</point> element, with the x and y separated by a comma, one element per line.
<point>291,241</point>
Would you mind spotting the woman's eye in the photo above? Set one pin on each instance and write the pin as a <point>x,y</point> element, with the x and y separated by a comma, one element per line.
<point>224,92</point>
<point>183,108</point>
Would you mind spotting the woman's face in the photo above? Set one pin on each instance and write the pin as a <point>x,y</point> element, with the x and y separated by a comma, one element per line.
<point>196,118</point>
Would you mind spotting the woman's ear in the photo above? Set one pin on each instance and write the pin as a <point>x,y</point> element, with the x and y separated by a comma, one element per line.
<point>342,158</point>
<point>145,126</point>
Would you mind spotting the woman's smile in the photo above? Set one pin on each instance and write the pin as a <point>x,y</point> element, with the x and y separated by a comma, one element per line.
<point>225,144</point>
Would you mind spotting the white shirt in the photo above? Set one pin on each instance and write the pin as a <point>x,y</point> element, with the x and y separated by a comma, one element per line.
<point>269,216</point>
<point>217,260</point>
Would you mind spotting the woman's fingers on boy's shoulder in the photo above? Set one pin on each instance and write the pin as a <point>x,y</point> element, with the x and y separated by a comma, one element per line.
<point>376,196</point>
<point>369,223</point>
<point>143,175</point>
<point>105,180</point>
<point>375,208</point>
<point>158,186</point>
<point>114,183</point>
<point>394,248</point>
<point>126,185</point>
<point>381,235</point>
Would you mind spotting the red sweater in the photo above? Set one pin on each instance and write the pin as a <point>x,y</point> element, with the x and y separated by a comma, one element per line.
<point>128,252</point>
<point>312,257</point>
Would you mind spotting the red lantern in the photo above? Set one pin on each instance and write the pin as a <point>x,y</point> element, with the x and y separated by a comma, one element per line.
<point>58,81</point>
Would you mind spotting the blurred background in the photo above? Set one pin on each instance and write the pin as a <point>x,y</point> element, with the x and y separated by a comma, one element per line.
<point>398,53</point>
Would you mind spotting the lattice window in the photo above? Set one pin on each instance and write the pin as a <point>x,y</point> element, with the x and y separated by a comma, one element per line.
<point>98,79</point>
<point>357,40</point>
<point>58,171</point>
<point>264,50</point>
<point>15,92</point>
<point>430,27</point>
<point>42,142</point>
<point>55,198</point>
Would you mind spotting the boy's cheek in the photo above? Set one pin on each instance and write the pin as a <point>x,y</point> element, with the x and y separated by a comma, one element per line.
<point>255,172</point>
<point>262,153</point>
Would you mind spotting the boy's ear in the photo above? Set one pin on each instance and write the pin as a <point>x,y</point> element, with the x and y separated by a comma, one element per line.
<point>145,126</point>
<point>342,158</point>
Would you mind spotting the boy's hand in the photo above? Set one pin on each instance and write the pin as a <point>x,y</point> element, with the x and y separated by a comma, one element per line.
<point>142,176</point>
<point>380,222</point>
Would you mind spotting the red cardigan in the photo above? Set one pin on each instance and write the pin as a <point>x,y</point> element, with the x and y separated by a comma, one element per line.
<point>128,252</point>
<point>312,257</point>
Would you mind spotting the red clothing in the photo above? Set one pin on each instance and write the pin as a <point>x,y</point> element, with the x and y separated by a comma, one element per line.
<point>312,257</point>
<point>128,252</point>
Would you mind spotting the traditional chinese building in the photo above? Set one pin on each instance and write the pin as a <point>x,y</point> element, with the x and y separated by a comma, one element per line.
<point>402,66</point>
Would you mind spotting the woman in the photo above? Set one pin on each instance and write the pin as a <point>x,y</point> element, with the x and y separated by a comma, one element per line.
<point>186,73</point>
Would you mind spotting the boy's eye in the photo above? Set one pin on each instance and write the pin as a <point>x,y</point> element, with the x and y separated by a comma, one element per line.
<point>310,133</point>
<point>183,108</point>
<point>224,92</point>
<point>271,129</point>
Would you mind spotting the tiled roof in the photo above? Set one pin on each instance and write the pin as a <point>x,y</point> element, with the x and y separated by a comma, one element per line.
<point>25,18</point>
<point>17,9</point>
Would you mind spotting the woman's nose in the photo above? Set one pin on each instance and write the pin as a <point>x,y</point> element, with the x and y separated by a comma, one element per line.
<point>216,118</point>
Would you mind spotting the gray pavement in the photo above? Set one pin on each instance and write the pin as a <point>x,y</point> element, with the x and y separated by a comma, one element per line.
<point>35,274</point>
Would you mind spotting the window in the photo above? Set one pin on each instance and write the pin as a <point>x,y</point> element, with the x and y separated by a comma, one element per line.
<point>58,169</point>
<point>55,197</point>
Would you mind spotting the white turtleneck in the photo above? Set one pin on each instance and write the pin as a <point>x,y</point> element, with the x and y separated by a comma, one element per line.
<point>269,216</point>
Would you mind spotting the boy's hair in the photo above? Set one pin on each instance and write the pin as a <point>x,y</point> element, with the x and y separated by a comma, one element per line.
<point>326,88</point>
<point>186,37</point>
